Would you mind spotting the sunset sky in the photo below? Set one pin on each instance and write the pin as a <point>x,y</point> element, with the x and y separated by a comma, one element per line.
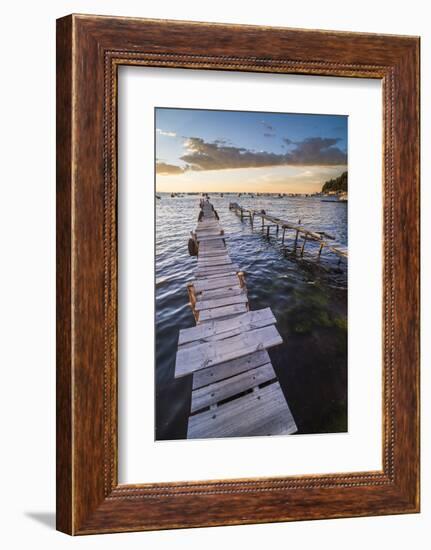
<point>201,150</point>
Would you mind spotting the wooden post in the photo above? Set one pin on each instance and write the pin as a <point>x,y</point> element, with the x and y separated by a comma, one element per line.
<point>192,298</point>
<point>241,214</point>
<point>241,277</point>
<point>262,223</point>
<point>278,227</point>
<point>296,237</point>
<point>303,246</point>
<point>252,219</point>
<point>267,231</point>
<point>282,238</point>
<point>296,241</point>
<point>320,250</point>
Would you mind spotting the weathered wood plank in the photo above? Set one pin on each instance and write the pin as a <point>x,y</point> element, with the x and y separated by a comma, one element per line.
<point>210,238</point>
<point>219,292</point>
<point>208,223</point>
<point>225,329</point>
<point>220,257</point>
<point>212,253</point>
<point>214,393</point>
<point>220,247</point>
<point>215,282</point>
<point>263,412</point>
<point>207,274</point>
<point>216,274</point>
<point>229,368</point>
<point>213,257</point>
<point>216,313</point>
<point>217,268</point>
<point>211,353</point>
<point>212,244</point>
<point>209,257</point>
<point>211,262</point>
<point>338,249</point>
<point>208,233</point>
<point>222,318</point>
<point>219,302</point>
<point>204,264</point>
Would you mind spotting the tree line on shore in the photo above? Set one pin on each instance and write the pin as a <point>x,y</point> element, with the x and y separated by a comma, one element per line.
<point>337,184</point>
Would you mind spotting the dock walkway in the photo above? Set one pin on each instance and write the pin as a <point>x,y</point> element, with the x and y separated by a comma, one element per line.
<point>235,390</point>
<point>324,240</point>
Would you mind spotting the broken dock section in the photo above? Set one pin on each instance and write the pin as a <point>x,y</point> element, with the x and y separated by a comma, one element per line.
<point>235,390</point>
<point>301,234</point>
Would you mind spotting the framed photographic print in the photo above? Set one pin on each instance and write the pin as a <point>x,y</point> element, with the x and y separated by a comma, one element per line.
<point>237,274</point>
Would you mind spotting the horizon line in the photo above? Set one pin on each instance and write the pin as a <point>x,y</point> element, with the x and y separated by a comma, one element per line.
<point>243,192</point>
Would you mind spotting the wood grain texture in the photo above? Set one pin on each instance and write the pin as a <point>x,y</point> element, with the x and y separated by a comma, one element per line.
<point>208,354</point>
<point>221,312</point>
<point>217,270</point>
<point>89,51</point>
<point>219,292</point>
<point>219,260</point>
<point>209,395</point>
<point>218,302</point>
<point>261,412</point>
<point>64,447</point>
<point>223,281</point>
<point>218,330</point>
<point>230,368</point>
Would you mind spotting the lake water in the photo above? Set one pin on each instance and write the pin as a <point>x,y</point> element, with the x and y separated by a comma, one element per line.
<point>308,298</point>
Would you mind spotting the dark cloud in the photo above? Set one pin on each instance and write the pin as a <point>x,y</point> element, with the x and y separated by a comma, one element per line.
<point>167,169</point>
<point>316,150</point>
<point>202,155</point>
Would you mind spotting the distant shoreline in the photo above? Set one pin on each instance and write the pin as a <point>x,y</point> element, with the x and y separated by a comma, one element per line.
<point>249,194</point>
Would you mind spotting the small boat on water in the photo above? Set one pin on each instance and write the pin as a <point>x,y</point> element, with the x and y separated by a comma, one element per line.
<point>342,197</point>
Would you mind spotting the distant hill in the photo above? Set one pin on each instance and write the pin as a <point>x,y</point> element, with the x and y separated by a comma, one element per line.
<point>337,184</point>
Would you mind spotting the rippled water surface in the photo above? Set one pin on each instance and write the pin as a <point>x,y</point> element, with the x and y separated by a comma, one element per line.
<point>308,298</point>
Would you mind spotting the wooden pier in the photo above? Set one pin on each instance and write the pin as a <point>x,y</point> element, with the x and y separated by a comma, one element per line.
<point>302,234</point>
<point>235,389</point>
